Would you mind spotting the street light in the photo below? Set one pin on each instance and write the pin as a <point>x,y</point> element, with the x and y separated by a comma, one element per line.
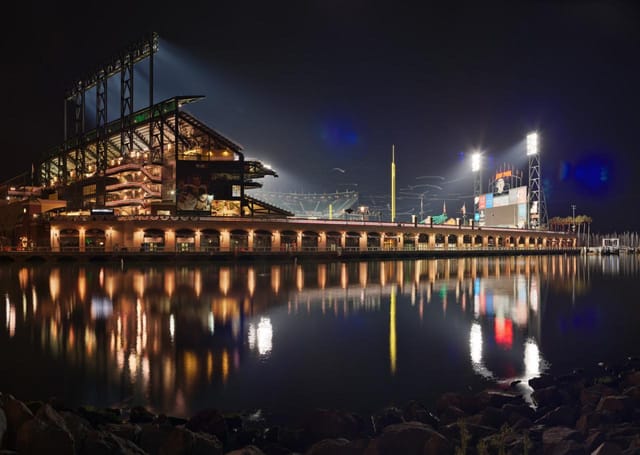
<point>363,210</point>
<point>476,168</point>
<point>532,143</point>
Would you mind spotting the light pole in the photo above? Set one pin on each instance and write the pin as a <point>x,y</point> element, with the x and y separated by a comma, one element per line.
<point>476,168</point>
<point>573,218</point>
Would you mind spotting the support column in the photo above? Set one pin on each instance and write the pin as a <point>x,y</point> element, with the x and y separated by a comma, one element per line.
<point>81,240</point>
<point>322,241</point>
<point>225,239</point>
<point>363,241</point>
<point>275,245</point>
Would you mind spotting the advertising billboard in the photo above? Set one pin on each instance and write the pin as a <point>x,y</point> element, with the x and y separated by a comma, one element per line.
<point>506,210</point>
<point>208,187</point>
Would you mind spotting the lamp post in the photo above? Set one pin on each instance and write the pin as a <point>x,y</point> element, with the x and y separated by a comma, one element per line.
<point>573,218</point>
<point>476,168</point>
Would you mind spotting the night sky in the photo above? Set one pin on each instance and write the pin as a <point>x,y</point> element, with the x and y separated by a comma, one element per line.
<point>322,89</point>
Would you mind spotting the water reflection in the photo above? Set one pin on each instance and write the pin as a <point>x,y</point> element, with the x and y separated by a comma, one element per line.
<point>167,335</point>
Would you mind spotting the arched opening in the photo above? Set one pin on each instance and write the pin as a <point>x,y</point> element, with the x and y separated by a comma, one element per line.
<point>209,240</point>
<point>69,240</point>
<point>423,241</point>
<point>452,241</point>
<point>521,242</point>
<point>500,242</point>
<point>262,240</point>
<point>94,240</point>
<point>352,241</point>
<point>408,241</point>
<point>185,240</point>
<point>239,240</point>
<point>391,241</point>
<point>466,240</point>
<point>152,240</point>
<point>491,241</point>
<point>334,241</point>
<point>439,240</point>
<point>373,241</point>
<point>310,241</point>
<point>288,241</point>
<point>477,241</point>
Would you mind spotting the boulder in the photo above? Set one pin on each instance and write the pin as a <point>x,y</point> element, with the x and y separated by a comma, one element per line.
<point>3,427</point>
<point>248,450</point>
<point>331,424</point>
<point>386,417</point>
<point>153,437</point>
<point>336,447</point>
<point>416,412</point>
<point>410,438</point>
<point>497,399</point>
<point>451,414</point>
<point>548,397</point>
<point>105,443</point>
<point>97,416</point>
<point>129,431</point>
<point>561,416</point>
<point>555,439</point>
<point>542,381</point>
<point>17,413</point>
<point>44,436</point>
<point>183,441</point>
<point>632,379</point>
<point>139,414</point>
<point>209,421</point>
<point>492,417</point>
<point>588,421</point>
<point>468,403</point>
<point>607,448</point>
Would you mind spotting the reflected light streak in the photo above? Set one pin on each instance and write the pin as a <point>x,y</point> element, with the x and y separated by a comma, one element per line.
<point>170,282</point>
<point>531,359</point>
<point>197,282</point>
<point>475,351</point>
<point>225,365</point>
<point>392,331</point>
<point>299,278</point>
<point>172,327</point>
<point>54,284</point>
<point>34,299</point>
<point>225,280</point>
<point>251,281</point>
<point>261,337</point>
<point>275,279</point>
<point>212,323</point>
<point>23,278</point>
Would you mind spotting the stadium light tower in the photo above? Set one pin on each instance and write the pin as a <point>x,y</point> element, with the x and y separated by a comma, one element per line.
<point>537,204</point>
<point>476,168</point>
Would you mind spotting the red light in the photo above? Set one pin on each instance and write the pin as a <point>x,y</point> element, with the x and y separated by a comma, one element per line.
<point>503,332</point>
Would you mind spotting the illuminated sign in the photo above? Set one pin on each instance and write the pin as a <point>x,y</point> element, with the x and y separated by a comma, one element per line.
<point>504,174</point>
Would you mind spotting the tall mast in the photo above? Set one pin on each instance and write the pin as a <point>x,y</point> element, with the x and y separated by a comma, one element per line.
<point>393,183</point>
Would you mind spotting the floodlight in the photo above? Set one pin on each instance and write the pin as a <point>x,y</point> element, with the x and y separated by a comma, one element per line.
<point>475,162</point>
<point>532,143</point>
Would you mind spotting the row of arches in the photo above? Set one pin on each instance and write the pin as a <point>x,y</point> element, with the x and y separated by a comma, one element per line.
<point>210,240</point>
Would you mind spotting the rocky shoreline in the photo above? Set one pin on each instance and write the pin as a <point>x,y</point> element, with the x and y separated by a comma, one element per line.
<point>576,413</point>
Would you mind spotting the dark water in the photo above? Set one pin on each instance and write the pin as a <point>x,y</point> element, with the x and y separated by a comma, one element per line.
<point>360,336</point>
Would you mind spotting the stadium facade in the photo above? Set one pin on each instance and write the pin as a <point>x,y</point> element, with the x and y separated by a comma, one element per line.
<point>159,179</point>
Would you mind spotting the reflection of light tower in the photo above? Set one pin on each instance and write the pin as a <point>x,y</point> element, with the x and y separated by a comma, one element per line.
<point>537,204</point>
<point>476,168</point>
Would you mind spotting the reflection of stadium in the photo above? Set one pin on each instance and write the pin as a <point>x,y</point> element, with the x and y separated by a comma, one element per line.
<point>169,330</point>
<point>324,205</point>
